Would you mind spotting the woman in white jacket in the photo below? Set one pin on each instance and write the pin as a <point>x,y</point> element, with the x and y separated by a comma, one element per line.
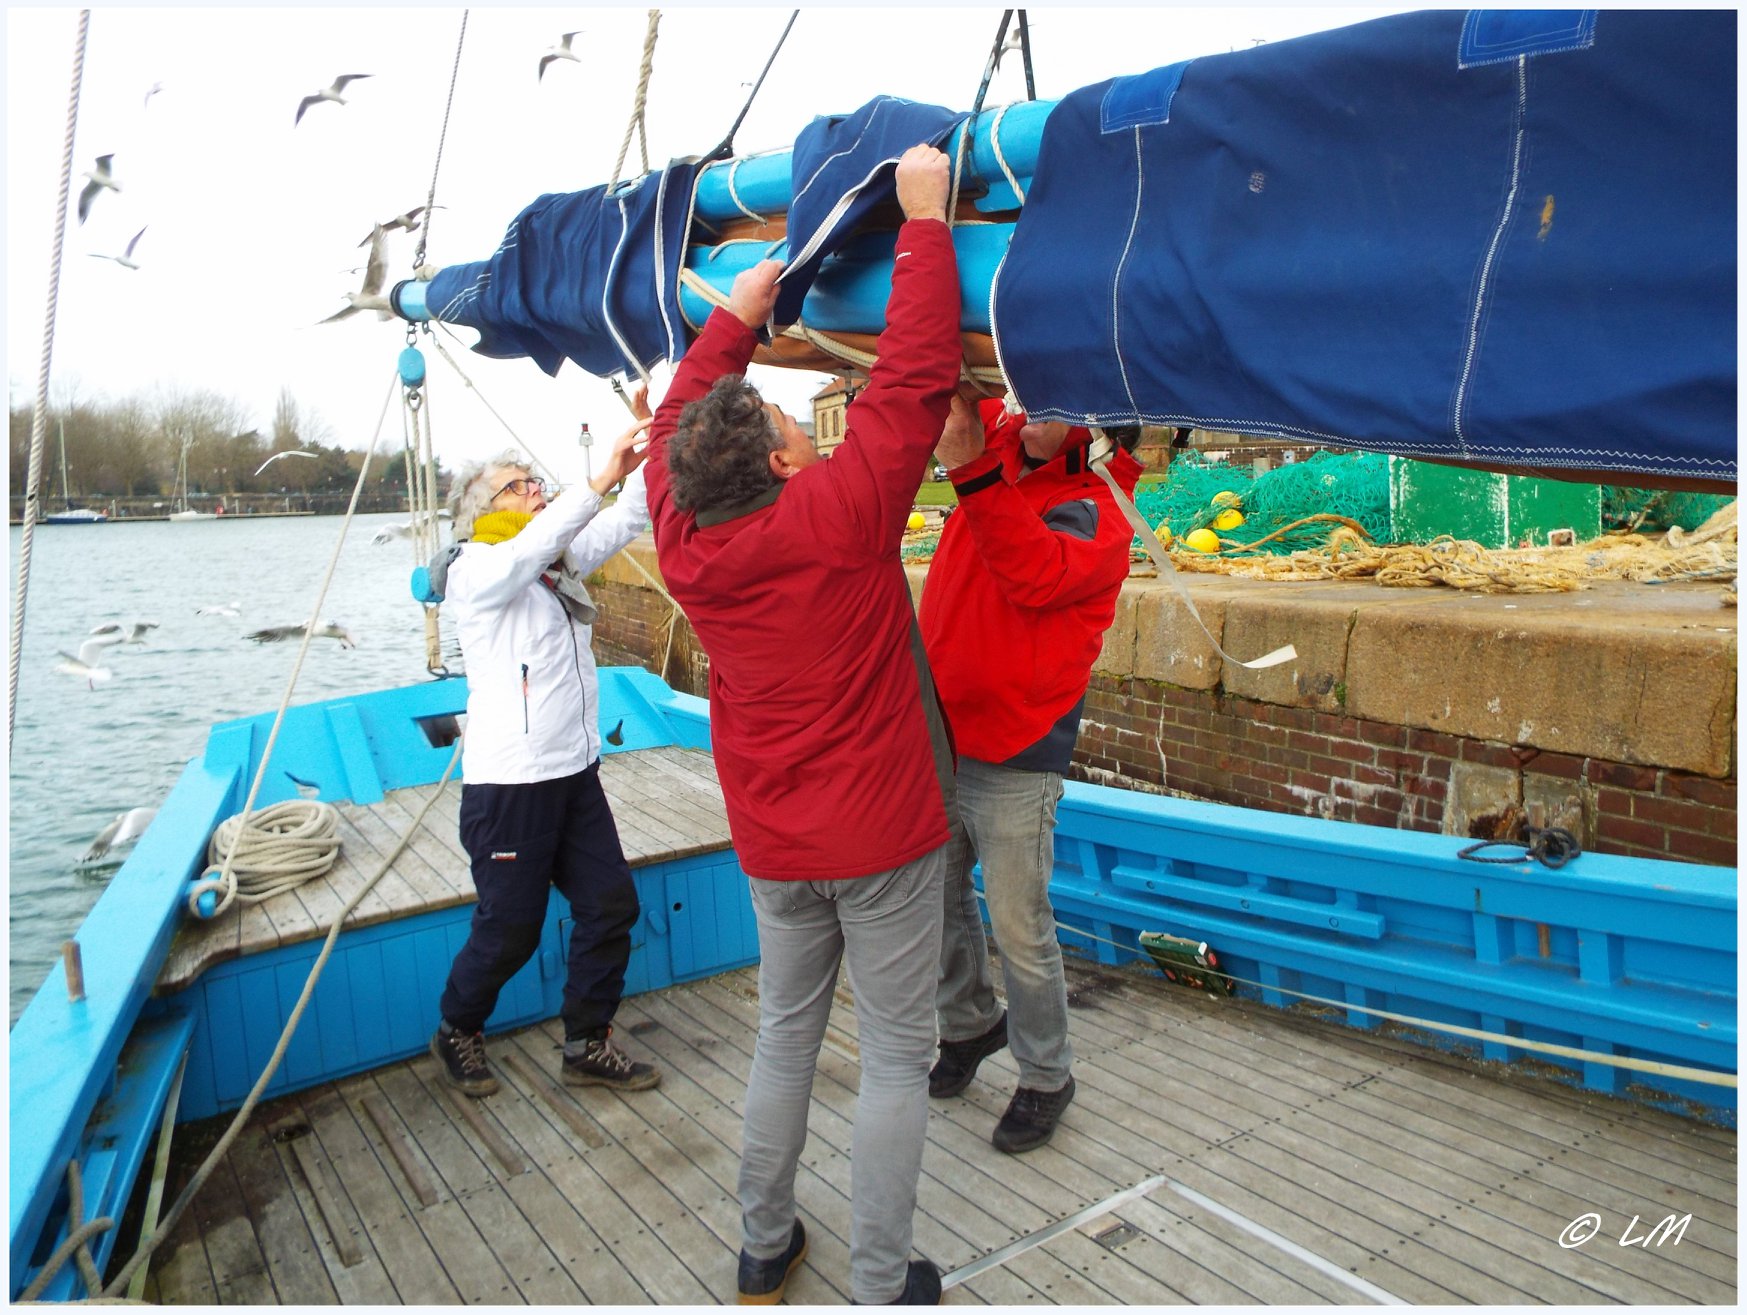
<point>533,814</point>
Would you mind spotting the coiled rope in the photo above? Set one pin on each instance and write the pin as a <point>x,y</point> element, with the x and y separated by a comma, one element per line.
<point>276,850</point>
<point>39,418</point>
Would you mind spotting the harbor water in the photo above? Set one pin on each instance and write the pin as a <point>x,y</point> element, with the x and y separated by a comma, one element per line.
<point>82,755</point>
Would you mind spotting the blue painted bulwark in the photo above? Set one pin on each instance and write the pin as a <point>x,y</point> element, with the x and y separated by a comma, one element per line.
<point>376,1002</point>
<point>1622,956</point>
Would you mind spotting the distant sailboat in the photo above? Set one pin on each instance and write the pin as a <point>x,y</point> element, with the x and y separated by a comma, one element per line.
<point>69,514</point>
<point>183,512</point>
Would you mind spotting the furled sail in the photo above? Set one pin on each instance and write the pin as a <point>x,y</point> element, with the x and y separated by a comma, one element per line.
<point>1504,238</point>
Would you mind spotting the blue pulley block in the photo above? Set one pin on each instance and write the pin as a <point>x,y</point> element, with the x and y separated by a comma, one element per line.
<point>412,367</point>
<point>421,586</point>
<point>207,903</point>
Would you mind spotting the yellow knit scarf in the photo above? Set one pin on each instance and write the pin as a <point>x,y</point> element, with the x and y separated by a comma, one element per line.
<point>496,526</point>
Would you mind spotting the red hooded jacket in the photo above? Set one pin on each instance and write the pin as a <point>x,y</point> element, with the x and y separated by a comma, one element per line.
<point>820,700</point>
<point>1021,590</point>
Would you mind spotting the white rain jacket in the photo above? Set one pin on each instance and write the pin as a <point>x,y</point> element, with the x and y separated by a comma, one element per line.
<point>533,700</point>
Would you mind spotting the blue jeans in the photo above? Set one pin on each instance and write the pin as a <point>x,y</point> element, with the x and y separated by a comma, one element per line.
<point>1006,820</point>
<point>887,926</point>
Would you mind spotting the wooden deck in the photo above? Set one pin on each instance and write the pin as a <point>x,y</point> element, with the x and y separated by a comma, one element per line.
<point>666,802</point>
<point>1217,1152</point>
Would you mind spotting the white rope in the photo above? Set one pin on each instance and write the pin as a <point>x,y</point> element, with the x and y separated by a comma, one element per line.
<point>225,883</point>
<point>167,1224</point>
<point>39,420</point>
<point>639,101</point>
<point>519,441</point>
<point>1000,156</point>
<point>1704,1075</point>
<point>734,195</point>
<point>276,850</point>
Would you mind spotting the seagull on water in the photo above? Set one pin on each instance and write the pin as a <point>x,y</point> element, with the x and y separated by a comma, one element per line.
<point>127,826</point>
<point>289,452</point>
<point>125,259</point>
<point>100,178</point>
<point>328,630</point>
<point>85,664</point>
<point>368,297</point>
<point>134,632</point>
<point>305,789</point>
<point>233,608</point>
<point>328,93</point>
<point>560,51</point>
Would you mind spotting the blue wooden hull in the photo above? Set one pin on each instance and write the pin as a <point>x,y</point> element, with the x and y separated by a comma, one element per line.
<point>1609,955</point>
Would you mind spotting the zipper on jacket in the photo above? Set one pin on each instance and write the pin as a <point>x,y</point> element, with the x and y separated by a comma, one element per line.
<point>524,698</point>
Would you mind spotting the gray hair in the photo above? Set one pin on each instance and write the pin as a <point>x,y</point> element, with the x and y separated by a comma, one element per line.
<point>720,454</point>
<point>470,493</point>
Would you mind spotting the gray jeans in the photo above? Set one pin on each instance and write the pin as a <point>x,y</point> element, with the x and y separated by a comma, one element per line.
<point>1007,820</point>
<point>887,926</point>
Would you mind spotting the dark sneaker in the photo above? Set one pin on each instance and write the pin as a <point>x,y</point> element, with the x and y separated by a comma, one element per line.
<point>762,1281</point>
<point>958,1061</point>
<point>921,1286</point>
<point>602,1064</point>
<point>1031,1118</point>
<point>462,1055</point>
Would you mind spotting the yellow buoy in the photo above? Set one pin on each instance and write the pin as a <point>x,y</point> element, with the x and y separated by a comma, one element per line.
<point>1229,519</point>
<point>1226,498</point>
<point>917,521</point>
<point>1165,535</point>
<point>1202,541</point>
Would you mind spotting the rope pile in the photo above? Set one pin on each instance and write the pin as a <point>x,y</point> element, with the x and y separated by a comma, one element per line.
<point>278,849</point>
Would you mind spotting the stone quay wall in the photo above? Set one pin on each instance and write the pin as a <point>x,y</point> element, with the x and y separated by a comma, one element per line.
<point>1610,712</point>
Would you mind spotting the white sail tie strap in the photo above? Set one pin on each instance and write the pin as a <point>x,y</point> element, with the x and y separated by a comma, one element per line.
<point>1099,459</point>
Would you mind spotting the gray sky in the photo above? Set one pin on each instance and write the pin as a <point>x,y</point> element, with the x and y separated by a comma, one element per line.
<point>252,226</point>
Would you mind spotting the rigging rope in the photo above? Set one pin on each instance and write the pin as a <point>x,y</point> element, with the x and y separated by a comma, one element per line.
<point>418,258</point>
<point>637,104</point>
<point>225,884</point>
<point>455,365</point>
<point>167,1224</point>
<point>39,420</point>
<point>726,147</point>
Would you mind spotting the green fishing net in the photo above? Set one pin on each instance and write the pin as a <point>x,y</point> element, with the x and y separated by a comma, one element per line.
<point>1354,485</point>
<point>1654,509</point>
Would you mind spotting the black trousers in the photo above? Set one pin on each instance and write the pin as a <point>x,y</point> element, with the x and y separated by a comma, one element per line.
<point>521,840</point>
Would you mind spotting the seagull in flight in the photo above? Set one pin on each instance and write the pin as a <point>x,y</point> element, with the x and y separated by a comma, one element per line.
<point>134,632</point>
<point>125,259</point>
<point>1013,44</point>
<point>409,221</point>
<point>127,826</point>
<point>155,88</point>
<point>328,93</point>
<point>327,630</point>
<point>100,178</point>
<point>368,297</point>
<point>288,452</point>
<point>85,664</point>
<point>560,51</point>
<point>221,609</point>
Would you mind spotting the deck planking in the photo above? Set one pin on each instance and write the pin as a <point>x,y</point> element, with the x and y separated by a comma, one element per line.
<point>665,800</point>
<point>1425,1174</point>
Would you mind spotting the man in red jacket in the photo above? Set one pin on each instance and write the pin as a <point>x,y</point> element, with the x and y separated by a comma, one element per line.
<point>1021,590</point>
<point>828,741</point>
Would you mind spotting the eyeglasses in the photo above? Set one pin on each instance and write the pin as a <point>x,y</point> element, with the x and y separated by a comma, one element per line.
<point>532,484</point>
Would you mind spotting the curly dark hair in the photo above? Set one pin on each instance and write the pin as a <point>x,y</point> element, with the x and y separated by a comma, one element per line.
<point>720,454</point>
<point>1127,437</point>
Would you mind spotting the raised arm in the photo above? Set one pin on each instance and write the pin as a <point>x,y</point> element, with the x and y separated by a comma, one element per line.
<point>893,424</point>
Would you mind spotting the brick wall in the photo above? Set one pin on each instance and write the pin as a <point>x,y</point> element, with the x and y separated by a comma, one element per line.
<point>1153,735</point>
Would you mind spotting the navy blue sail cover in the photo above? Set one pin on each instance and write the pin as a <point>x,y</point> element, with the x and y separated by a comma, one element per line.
<point>1506,237</point>
<point>841,168</point>
<point>591,276</point>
